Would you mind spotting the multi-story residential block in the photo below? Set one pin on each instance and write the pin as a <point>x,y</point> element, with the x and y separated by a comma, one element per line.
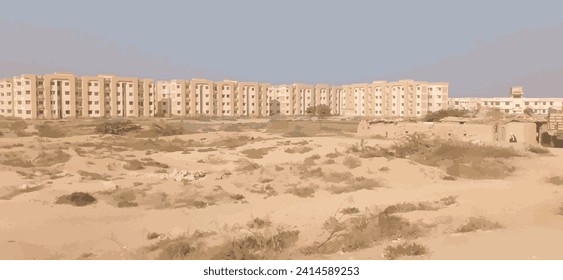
<point>515,103</point>
<point>404,98</point>
<point>63,95</point>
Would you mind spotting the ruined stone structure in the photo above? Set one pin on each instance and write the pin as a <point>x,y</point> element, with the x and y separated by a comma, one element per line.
<point>501,131</point>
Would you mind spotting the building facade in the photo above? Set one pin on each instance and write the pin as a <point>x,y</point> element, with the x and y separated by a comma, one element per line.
<point>64,95</point>
<point>515,103</point>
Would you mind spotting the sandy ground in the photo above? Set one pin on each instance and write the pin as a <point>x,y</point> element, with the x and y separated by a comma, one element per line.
<point>34,226</point>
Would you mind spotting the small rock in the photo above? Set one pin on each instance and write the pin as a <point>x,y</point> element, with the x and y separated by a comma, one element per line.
<point>25,187</point>
<point>109,186</point>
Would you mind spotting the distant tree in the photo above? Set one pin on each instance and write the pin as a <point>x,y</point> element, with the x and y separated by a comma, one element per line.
<point>495,113</point>
<point>552,110</point>
<point>529,111</point>
<point>438,115</point>
<point>319,111</point>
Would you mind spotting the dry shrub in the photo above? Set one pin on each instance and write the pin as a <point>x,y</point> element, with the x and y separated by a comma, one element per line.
<point>297,132</point>
<point>356,184</point>
<point>352,162</point>
<point>238,197</point>
<point>449,178</point>
<point>329,161</point>
<point>536,149</point>
<point>206,150</point>
<point>153,163</point>
<point>303,192</point>
<point>117,127</point>
<point>460,159</point>
<point>478,223</point>
<point>361,232</point>
<point>298,150</point>
<point>123,197</point>
<point>16,159</point>
<point>50,158</point>
<point>162,129</point>
<point>133,165</point>
<point>182,247</point>
<point>406,207</point>
<point>337,177</point>
<point>244,165</point>
<point>311,172</point>
<point>232,142</point>
<point>556,180</point>
<point>309,161</point>
<point>10,146</point>
<point>216,160</point>
<point>350,211</point>
<point>258,223</point>
<point>368,151</point>
<point>93,176</point>
<point>231,128</point>
<point>411,144</point>
<point>45,130</point>
<point>384,169</point>
<point>201,197</point>
<point>173,145</point>
<point>420,206</point>
<point>257,153</point>
<point>76,199</point>
<point>404,249</point>
<point>438,115</point>
<point>141,164</point>
<point>259,246</point>
<point>266,190</point>
<point>18,127</point>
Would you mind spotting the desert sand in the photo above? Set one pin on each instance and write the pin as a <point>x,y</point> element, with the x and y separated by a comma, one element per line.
<point>255,189</point>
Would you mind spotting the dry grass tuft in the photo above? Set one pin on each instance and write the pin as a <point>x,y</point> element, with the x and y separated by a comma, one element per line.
<point>352,162</point>
<point>258,246</point>
<point>478,223</point>
<point>257,153</point>
<point>76,199</point>
<point>556,180</point>
<point>404,249</point>
<point>258,223</point>
<point>85,175</point>
<point>298,150</point>
<point>50,158</point>
<point>244,165</point>
<point>46,130</point>
<point>303,192</point>
<point>266,190</point>
<point>117,127</point>
<point>355,184</point>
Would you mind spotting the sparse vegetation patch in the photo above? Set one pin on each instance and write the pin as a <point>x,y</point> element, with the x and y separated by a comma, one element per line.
<point>404,249</point>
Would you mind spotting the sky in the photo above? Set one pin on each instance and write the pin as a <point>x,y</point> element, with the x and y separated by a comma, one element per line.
<point>480,47</point>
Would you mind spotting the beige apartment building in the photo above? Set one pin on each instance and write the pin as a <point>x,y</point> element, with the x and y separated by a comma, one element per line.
<point>64,95</point>
<point>404,98</point>
<point>515,103</point>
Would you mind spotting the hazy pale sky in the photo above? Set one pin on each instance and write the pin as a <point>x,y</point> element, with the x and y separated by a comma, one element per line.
<point>479,47</point>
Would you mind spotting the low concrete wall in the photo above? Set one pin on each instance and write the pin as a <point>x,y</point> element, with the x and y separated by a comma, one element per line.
<point>523,132</point>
